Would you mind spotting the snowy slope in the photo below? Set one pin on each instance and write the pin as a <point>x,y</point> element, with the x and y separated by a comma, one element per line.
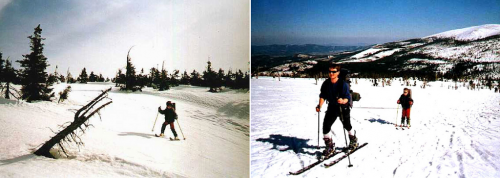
<point>455,132</point>
<point>470,33</point>
<point>121,144</point>
<point>477,51</point>
<point>371,55</point>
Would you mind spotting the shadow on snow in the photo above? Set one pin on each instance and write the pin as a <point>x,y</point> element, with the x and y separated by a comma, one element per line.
<point>372,120</point>
<point>297,145</point>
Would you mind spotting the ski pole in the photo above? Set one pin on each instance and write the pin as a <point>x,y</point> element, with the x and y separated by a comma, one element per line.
<point>318,130</point>
<point>342,120</point>
<point>152,130</point>
<point>397,110</point>
<point>181,130</point>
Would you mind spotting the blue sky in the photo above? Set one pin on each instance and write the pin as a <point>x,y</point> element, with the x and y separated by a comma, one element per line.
<point>349,22</point>
<point>97,34</point>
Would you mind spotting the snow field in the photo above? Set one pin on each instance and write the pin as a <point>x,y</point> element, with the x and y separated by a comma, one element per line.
<point>454,132</point>
<point>122,144</point>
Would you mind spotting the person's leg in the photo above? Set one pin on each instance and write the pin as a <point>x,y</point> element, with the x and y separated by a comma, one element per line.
<point>404,117</point>
<point>328,121</point>
<point>346,117</point>
<point>163,127</point>
<point>172,128</point>
<point>408,116</point>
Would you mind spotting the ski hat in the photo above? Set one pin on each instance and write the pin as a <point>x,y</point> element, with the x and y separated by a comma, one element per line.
<point>169,103</point>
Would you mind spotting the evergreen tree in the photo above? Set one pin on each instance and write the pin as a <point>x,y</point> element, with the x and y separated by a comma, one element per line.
<point>101,78</point>
<point>210,78</point>
<point>69,78</point>
<point>34,77</point>
<point>153,78</point>
<point>130,78</point>
<point>53,78</point>
<point>2,68</point>
<point>174,81</point>
<point>92,77</point>
<point>141,79</point>
<point>83,78</point>
<point>119,78</point>
<point>239,80</point>
<point>229,79</point>
<point>164,80</point>
<point>220,78</point>
<point>195,78</point>
<point>246,81</point>
<point>9,76</point>
<point>185,78</point>
<point>62,78</point>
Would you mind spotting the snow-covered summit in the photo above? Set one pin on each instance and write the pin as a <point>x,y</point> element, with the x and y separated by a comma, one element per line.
<point>470,33</point>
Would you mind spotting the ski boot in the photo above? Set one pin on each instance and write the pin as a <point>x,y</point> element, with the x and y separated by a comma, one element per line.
<point>330,147</point>
<point>176,138</point>
<point>353,142</point>
<point>161,135</point>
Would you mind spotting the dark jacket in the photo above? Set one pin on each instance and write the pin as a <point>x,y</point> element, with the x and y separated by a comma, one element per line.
<point>170,114</point>
<point>405,101</point>
<point>331,91</point>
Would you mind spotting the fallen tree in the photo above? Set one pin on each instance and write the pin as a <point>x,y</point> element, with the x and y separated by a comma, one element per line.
<point>69,134</point>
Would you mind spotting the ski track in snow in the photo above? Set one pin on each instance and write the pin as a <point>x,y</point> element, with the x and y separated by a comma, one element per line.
<point>121,143</point>
<point>454,133</point>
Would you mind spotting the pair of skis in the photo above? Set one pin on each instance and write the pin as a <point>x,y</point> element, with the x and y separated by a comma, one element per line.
<point>402,127</point>
<point>328,157</point>
<point>171,139</point>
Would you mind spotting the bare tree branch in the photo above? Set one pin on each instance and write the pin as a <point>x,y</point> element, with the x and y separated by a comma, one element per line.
<point>69,133</point>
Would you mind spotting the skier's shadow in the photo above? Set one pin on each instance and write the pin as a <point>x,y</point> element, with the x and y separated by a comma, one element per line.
<point>136,134</point>
<point>285,143</point>
<point>381,121</point>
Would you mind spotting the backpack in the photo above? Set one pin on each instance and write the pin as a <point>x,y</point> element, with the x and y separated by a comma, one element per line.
<point>344,77</point>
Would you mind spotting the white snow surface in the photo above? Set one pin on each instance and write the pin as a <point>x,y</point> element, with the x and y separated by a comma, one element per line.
<point>367,52</point>
<point>454,133</point>
<point>478,51</point>
<point>122,144</point>
<point>470,33</point>
<point>369,56</point>
<point>415,60</point>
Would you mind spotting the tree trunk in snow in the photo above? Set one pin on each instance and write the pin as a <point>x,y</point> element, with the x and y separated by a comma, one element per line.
<point>69,134</point>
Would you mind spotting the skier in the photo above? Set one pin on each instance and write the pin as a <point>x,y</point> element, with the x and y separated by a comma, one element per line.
<point>170,117</point>
<point>406,102</point>
<point>336,92</point>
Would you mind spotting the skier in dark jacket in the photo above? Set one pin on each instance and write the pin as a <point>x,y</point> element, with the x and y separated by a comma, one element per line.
<point>406,102</point>
<point>336,92</point>
<point>170,117</point>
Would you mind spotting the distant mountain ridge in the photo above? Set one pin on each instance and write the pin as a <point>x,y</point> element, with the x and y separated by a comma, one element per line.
<point>472,44</point>
<point>468,51</point>
<point>470,33</point>
<point>286,50</point>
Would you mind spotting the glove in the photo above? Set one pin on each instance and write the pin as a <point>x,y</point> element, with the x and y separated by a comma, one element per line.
<point>317,108</point>
<point>398,101</point>
<point>411,102</point>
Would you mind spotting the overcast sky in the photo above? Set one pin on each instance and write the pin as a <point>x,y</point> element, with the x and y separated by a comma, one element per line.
<point>97,34</point>
<point>364,21</point>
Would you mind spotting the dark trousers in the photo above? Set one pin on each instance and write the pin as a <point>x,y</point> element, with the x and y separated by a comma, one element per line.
<point>331,115</point>
<point>406,114</point>
<point>172,128</point>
